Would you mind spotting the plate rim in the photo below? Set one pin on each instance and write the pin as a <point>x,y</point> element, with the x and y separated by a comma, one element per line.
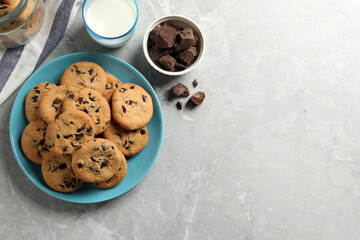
<point>13,140</point>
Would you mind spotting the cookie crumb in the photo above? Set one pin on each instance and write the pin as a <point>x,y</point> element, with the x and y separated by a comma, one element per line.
<point>195,83</point>
<point>179,105</point>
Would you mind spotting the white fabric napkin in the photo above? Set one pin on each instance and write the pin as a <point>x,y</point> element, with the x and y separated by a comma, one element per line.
<point>17,64</point>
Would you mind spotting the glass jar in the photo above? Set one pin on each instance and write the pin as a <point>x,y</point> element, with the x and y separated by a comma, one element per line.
<point>20,21</point>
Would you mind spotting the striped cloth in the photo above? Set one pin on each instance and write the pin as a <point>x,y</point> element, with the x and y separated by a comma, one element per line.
<point>17,64</point>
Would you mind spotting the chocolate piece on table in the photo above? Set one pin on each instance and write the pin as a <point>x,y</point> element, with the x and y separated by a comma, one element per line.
<point>196,99</point>
<point>188,55</point>
<point>166,36</point>
<point>179,105</point>
<point>195,83</point>
<point>167,62</point>
<point>186,39</point>
<point>179,90</point>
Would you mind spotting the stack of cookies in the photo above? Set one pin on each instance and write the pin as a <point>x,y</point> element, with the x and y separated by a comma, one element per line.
<point>84,129</point>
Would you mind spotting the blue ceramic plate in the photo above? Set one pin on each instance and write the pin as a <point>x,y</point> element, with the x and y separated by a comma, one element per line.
<point>138,166</point>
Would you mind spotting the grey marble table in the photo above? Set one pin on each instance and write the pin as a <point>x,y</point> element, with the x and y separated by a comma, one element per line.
<point>273,153</point>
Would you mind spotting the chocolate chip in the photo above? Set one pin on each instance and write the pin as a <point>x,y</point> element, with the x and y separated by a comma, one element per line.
<point>195,83</point>
<point>62,166</point>
<point>80,100</point>
<point>89,130</point>
<point>55,108</point>
<point>56,101</point>
<point>85,102</point>
<point>142,131</point>
<point>80,165</point>
<point>93,159</point>
<point>144,98</point>
<point>125,143</point>
<point>74,144</point>
<point>85,111</point>
<point>131,142</point>
<point>122,90</point>
<point>127,147</point>
<point>79,136</point>
<point>67,136</point>
<point>179,105</point>
<point>62,186</point>
<point>97,110</point>
<point>90,71</point>
<point>93,78</point>
<point>132,87</point>
<point>123,108</point>
<point>131,102</point>
<point>34,98</point>
<point>37,91</point>
<point>71,96</point>
<point>108,86</point>
<point>65,149</point>
<point>66,154</point>
<point>96,148</point>
<point>119,135</point>
<point>79,129</point>
<point>57,136</point>
<point>103,164</point>
<point>42,141</point>
<point>92,97</point>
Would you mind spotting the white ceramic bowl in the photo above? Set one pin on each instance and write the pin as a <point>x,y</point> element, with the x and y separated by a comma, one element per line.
<point>180,22</point>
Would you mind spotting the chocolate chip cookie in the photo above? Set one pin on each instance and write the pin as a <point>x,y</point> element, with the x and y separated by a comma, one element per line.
<point>97,161</point>
<point>92,103</point>
<point>129,142</point>
<point>132,106</point>
<point>50,104</point>
<point>112,84</point>
<point>85,74</point>
<point>115,180</point>
<point>57,173</point>
<point>67,133</point>
<point>32,100</point>
<point>33,140</point>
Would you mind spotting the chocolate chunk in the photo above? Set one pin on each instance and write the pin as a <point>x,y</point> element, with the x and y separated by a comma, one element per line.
<point>186,39</point>
<point>187,56</point>
<point>167,62</point>
<point>156,53</point>
<point>179,90</point>
<point>165,36</point>
<point>196,99</point>
<point>180,66</point>
<point>179,105</point>
<point>195,83</point>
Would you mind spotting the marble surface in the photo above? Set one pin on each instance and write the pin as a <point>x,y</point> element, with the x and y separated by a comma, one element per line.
<point>273,152</point>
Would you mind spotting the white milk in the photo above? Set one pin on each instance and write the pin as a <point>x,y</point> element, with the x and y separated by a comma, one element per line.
<point>110,18</point>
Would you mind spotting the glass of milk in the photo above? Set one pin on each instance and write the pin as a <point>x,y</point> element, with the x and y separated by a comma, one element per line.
<point>111,23</point>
